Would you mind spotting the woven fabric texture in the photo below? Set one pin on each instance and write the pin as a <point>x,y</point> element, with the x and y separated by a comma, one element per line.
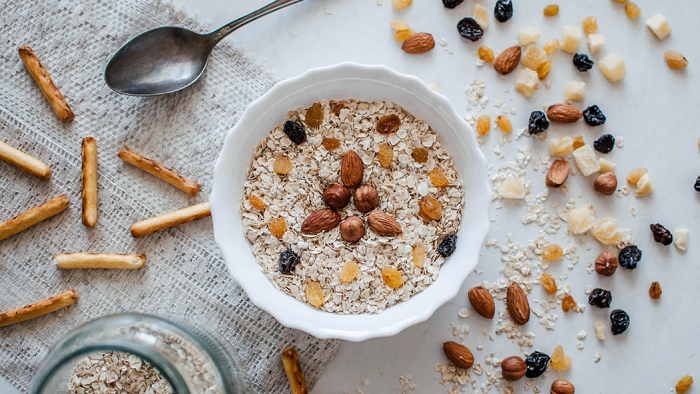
<point>185,274</point>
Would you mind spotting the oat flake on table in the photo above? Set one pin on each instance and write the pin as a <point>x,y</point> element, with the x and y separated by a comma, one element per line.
<point>400,186</point>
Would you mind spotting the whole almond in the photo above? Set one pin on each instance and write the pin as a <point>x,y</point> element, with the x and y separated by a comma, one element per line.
<point>419,43</point>
<point>507,60</point>
<point>383,224</point>
<point>561,386</point>
<point>563,113</point>
<point>351,169</point>
<point>482,301</point>
<point>458,354</point>
<point>605,183</point>
<point>321,220</point>
<point>517,305</point>
<point>606,264</point>
<point>513,368</point>
<point>557,174</point>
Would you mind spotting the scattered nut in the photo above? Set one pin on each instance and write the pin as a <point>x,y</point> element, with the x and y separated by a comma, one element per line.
<point>517,304</point>
<point>563,113</point>
<point>507,60</point>
<point>605,183</point>
<point>366,198</point>
<point>561,386</point>
<point>513,368</point>
<point>458,354</point>
<point>558,173</point>
<point>482,301</point>
<point>606,264</point>
<point>419,43</point>
<point>352,228</point>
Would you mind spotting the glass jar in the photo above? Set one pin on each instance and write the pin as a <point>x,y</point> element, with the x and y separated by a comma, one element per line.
<point>189,358</point>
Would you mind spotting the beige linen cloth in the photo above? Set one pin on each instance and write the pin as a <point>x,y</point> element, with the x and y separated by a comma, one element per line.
<point>185,274</point>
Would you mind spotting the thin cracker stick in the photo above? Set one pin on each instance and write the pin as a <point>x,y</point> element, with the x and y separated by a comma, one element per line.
<point>170,219</point>
<point>89,181</point>
<point>33,216</point>
<point>24,162</point>
<point>290,361</point>
<point>51,304</point>
<point>99,260</point>
<point>43,79</point>
<point>159,171</point>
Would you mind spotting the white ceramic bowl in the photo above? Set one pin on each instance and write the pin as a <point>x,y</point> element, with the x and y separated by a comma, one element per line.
<point>361,82</point>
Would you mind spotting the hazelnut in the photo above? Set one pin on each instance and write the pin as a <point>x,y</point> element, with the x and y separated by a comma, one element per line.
<point>366,198</point>
<point>561,386</point>
<point>513,368</point>
<point>336,196</point>
<point>606,183</point>
<point>606,264</point>
<point>352,228</point>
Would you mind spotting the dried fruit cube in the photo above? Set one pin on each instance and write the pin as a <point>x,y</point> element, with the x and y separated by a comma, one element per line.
<point>438,178</point>
<point>483,125</point>
<point>399,25</point>
<point>606,231</point>
<point>403,35</point>
<point>385,154</point>
<point>613,67</point>
<point>420,155</point>
<point>529,35</point>
<point>314,116</point>
<point>481,16</point>
<point>282,165</point>
<point>256,202</point>
<point>567,303</point>
<point>330,143</point>
<point>659,25</point>
<point>589,24</point>
<point>392,277</point>
<point>680,238</point>
<point>560,146</point>
<point>349,272</point>
<point>580,220</point>
<point>543,69</point>
<point>278,227</point>
<point>606,166</point>
<point>684,384</point>
<point>512,189</point>
<point>573,90</point>
<point>532,57</point>
<point>504,123</point>
<point>550,46</point>
<point>548,283</point>
<point>644,186</point>
<point>675,60</point>
<point>595,41</point>
<point>570,38</point>
<point>632,10</point>
<point>634,175</point>
<point>560,360</point>
<point>430,208</point>
<point>418,255</point>
<point>401,3</point>
<point>552,252</point>
<point>485,53</point>
<point>655,290</point>
<point>526,82</point>
<point>578,142</point>
<point>586,160</point>
<point>551,10</point>
<point>314,294</point>
<point>600,330</point>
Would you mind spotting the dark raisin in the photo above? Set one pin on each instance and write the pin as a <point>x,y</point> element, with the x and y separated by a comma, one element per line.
<point>629,256</point>
<point>538,122</point>
<point>451,3</point>
<point>503,11</point>
<point>448,245</point>
<point>469,29</point>
<point>594,116</point>
<point>536,364</point>
<point>582,62</point>
<point>295,132</point>
<point>620,321</point>
<point>600,298</point>
<point>288,260</point>
<point>697,184</point>
<point>661,234</point>
<point>605,143</point>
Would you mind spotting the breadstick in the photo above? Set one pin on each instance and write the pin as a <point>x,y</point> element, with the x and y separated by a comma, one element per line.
<point>99,260</point>
<point>170,219</point>
<point>89,181</point>
<point>24,162</point>
<point>159,171</point>
<point>33,216</point>
<point>51,304</point>
<point>297,382</point>
<point>43,79</point>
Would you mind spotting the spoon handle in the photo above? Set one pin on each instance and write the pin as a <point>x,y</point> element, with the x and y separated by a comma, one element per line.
<point>225,30</point>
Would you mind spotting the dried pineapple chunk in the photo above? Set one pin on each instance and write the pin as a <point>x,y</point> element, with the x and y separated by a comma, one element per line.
<point>570,38</point>
<point>580,220</point>
<point>586,161</point>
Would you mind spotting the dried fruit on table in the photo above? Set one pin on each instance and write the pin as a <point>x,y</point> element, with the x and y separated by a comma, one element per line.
<point>533,57</point>
<point>517,305</point>
<point>314,115</point>
<point>388,124</point>
<point>385,154</point>
<point>629,256</point>
<point>578,142</point>
<point>483,125</point>
<point>606,264</point>
<point>659,25</point>
<point>451,3</point>
<point>586,161</point>
<point>418,255</point>
<point>593,116</point>
<point>278,227</point>
<point>419,43</point>
<point>458,354</point>
<point>605,143</point>
<point>552,252</point>
<point>349,272</point>
<point>580,220</point>
<point>655,290</point>
<point>595,42</point>
<point>448,245</point>
<point>675,60</point>
<point>513,189</point>
<point>634,175</point>
<point>513,368</point>
<point>599,330</point>
<point>506,126</point>
<point>661,234</point>
<point>468,28</point>
<point>397,25</point>
<point>574,90</point>
<point>314,294</point>
<point>684,384</point>
<point>429,208</point>
<point>282,165</point>
<point>294,131</point>
<point>482,301</point>
<point>392,277</point>
<point>503,10</point>
<point>550,46</point>
<point>529,35</point>
<point>401,3</point>
<point>526,82</point>
<point>560,360</point>
<point>606,231</point>
<point>288,261</point>
<point>644,186</point>
<point>481,15</point>
<point>632,10</point>
<point>551,10</point>
<point>256,202</point>
<point>600,298</point>
<point>570,38</point>
<point>420,155</point>
<point>589,24</point>
<point>330,143</point>
<point>438,178</point>
<point>697,184</point>
<point>619,321</point>
<point>680,239</point>
<point>536,364</point>
<point>537,123</point>
<point>582,62</point>
<point>486,54</point>
<point>613,67</point>
<point>507,60</point>
<point>560,146</point>
<point>568,302</point>
<point>548,283</point>
<point>543,69</point>
<point>403,35</point>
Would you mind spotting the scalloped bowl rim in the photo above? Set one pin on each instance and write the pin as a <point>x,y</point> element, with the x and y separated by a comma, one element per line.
<point>369,82</point>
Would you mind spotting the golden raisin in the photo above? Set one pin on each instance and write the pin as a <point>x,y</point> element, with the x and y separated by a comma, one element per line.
<point>399,25</point>
<point>388,124</point>
<point>403,35</point>
<point>548,283</point>
<point>314,294</point>
<point>349,272</point>
<point>634,175</point>
<point>336,107</point>
<point>385,154</point>
<point>282,165</point>
<point>567,303</point>
<point>256,202</point>
<point>330,143</point>
<point>655,290</point>
<point>632,10</point>
<point>578,142</point>
<point>430,209</point>
<point>675,60</point>
<point>560,360</point>
<point>401,3</point>
<point>504,123</point>
<point>418,255</point>
<point>486,54</point>
<point>620,1</point>
<point>684,384</point>
<point>552,252</point>
<point>550,46</point>
<point>392,277</point>
<point>543,69</point>
<point>420,155</point>
<point>438,178</point>
<point>551,10</point>
<point>590,24</point>
<point>278,227</point>
<point>314,116</point>
<point>483,125</point>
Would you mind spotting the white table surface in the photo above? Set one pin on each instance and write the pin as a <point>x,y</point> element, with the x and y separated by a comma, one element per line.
<point>653,108</point>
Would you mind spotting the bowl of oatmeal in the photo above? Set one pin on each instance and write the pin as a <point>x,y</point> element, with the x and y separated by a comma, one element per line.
<point>350,202</point>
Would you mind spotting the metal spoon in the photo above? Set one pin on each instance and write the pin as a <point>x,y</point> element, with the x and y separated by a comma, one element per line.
<point>168,59</point>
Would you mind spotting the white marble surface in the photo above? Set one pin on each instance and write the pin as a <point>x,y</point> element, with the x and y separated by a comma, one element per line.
<point>653,109</point>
